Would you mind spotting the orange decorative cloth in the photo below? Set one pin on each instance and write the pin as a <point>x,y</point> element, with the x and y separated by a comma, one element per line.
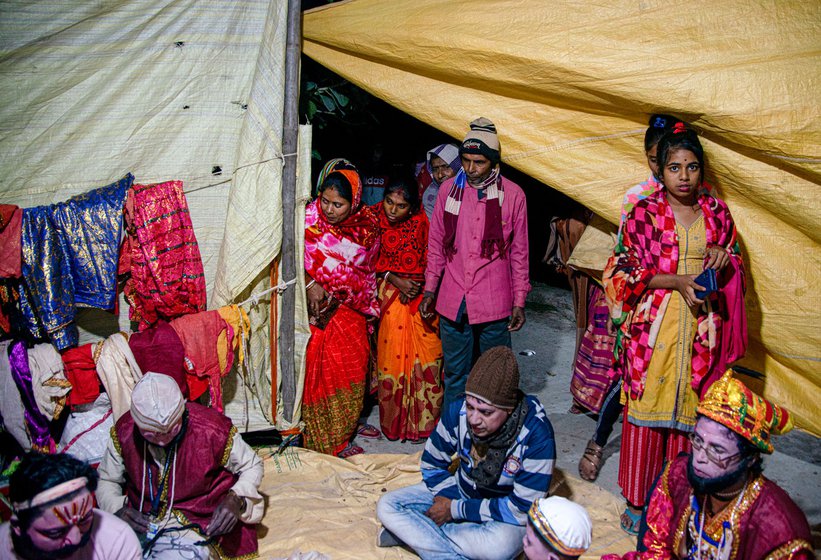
<point>409,368</point>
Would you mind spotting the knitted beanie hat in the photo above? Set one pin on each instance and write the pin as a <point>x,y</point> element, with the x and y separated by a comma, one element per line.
<point>483,140</point>
<point>495,378</point>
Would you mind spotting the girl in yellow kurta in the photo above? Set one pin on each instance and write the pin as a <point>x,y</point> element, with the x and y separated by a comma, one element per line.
<point>669,334</point>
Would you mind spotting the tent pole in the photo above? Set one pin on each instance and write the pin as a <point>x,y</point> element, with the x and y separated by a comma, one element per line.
<point>290,130</point>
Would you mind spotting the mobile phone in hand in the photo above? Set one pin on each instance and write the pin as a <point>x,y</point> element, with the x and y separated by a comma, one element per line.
<point>706,280</point>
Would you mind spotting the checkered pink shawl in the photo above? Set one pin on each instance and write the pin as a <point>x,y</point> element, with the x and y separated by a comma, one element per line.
<point>650,248</point>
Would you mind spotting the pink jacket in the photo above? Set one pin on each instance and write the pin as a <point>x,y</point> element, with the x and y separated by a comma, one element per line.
<point>491,288</point>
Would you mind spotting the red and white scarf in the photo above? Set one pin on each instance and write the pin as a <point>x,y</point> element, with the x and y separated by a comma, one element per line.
<point>493,236</point>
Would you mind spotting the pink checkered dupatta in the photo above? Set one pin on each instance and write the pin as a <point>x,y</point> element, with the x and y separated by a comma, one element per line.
<point>651,247</point>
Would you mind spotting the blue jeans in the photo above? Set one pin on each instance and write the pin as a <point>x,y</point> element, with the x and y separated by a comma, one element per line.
<point>402,512</point>
<point>457,346</point>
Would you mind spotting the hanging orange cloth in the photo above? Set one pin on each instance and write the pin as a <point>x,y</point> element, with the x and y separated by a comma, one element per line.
<point>208,343</point>
<point>237,319</point>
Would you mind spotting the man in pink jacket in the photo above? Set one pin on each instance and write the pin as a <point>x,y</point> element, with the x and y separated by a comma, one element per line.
<point>477,257</point>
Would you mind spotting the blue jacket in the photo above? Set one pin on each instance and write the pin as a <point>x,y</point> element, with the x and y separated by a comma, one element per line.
<point>525,475</point>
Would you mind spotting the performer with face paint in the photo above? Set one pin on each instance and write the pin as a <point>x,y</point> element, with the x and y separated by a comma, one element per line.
<point>53,515</point>
<point>714,503</point>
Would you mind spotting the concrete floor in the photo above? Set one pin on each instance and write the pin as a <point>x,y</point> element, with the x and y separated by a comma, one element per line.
<point>550,333</point>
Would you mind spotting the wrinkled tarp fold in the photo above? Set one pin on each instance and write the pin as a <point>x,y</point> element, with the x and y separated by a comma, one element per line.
<point>306,490</point>
<point>570,86</point>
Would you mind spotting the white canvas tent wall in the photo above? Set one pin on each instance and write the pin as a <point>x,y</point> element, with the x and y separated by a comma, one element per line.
<point>166,90</point>
<point>570,84</point>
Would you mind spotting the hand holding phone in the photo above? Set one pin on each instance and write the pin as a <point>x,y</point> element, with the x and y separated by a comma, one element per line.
<point>707,280</point>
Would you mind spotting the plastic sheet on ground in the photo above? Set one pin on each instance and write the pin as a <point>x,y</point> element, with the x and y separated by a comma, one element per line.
<point>325,504</point>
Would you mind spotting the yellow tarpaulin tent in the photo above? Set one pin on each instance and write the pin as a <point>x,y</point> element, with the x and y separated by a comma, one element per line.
<point>570,85</point>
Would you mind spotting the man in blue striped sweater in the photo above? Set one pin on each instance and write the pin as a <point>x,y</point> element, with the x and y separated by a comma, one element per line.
<point>505,448</point>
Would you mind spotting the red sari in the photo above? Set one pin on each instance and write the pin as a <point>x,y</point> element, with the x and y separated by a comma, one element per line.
<point>340,258</point>
<point>409,352</point>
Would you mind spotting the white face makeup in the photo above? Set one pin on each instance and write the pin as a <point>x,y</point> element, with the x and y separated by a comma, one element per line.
<point>715,449</point>
<point>62,526</point>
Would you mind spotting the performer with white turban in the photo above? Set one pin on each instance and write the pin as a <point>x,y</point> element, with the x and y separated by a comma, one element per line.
<point>557,529</point>
<point>181,476</point>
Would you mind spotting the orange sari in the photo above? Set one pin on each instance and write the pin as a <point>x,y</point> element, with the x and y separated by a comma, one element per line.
<point>409,368</point>
<point>408,349</point>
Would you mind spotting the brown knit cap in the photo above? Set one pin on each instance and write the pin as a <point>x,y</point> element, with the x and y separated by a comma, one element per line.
<point>495,378</point>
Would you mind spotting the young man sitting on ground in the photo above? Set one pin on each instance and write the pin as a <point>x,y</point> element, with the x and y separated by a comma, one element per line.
<point>505,447</point>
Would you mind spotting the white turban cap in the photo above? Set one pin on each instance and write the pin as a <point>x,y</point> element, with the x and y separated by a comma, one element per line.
<point>156,402</point>
<point>565,525</point>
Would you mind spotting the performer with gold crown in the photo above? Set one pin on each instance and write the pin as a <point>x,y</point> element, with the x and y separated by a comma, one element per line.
<point>714,503</point>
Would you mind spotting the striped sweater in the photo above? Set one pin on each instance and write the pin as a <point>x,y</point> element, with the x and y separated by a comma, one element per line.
<point>525,475</point>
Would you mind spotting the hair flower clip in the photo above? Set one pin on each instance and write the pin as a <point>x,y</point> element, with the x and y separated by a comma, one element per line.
<point>679,128</point>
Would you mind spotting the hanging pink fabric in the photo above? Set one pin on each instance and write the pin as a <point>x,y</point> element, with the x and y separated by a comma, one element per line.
<point>207,341</point>
<point>161,252</point>
<point>734,331</point>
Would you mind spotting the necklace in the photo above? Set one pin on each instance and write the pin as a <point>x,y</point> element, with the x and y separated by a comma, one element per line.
<point>728,495</point>
<point>701,527</point>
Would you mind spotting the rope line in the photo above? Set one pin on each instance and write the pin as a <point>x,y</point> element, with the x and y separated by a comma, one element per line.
<point>228,180</point>
<point>254,299</point>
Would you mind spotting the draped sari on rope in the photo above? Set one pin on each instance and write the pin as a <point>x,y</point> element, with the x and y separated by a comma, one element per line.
<point>409,352</point>
<point>340,258</point>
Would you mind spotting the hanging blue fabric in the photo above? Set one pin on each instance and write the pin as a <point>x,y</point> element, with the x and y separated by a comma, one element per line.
<point>70,253</point>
